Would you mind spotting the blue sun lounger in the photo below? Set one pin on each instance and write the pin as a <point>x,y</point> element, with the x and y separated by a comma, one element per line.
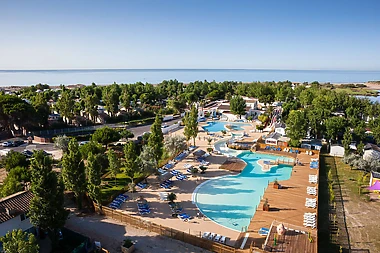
<point>263,231</point>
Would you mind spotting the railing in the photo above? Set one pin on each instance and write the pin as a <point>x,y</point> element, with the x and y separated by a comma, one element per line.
<point>172,233</point>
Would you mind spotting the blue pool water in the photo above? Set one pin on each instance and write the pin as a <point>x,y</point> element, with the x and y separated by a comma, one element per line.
<point>217,126</point>
<point>231,201</point>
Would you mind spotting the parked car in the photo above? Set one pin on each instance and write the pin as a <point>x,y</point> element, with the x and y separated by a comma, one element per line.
<point>27,153</point>
<point>7,144</point>
<point>18,143</point>
<point>83,143</point>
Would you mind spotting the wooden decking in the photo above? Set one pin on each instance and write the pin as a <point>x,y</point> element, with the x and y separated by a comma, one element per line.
<point>287,205</point>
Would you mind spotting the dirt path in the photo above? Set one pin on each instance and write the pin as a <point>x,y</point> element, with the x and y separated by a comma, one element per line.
<point>111,234</point>
<point>362,222</point>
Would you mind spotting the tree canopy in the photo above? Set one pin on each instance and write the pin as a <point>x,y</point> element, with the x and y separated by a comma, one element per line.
<point>17,241</point>
<point>191,124</point>
<point>156,139</point>
<point>47,205</point>
<point>105,135</point>
<point>238,105</point>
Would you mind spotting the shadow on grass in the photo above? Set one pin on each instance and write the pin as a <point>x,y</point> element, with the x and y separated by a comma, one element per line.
<point>324,243</point>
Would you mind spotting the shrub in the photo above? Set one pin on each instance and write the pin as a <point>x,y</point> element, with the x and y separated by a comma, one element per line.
<point>127,243</point>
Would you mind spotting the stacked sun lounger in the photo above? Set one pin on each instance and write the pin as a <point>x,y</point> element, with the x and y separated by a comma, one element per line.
<point>311,203</point>
<point>214,237</point>
<point>168,166</point>
<point>167,184</point>
<point>309,220</point>
<point>175,172</point>
<point>181,156</point>
<point>143,208</point>
<point>163,196</point>
<point>184,217</point>
<point>116,203</point>
<point>311,190</point>
<point>314,165</point>
<point>313,179</point>
<point>142,185</point>
<point>181,177</point>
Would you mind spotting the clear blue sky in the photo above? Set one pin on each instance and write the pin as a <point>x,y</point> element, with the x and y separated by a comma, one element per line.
<point>282,34</point>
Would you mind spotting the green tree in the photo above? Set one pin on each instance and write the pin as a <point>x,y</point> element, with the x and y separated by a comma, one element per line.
<point>93,171</point>
<point>147,160</point>
<point>296,126</point>
<point>14,159</point>
<point>130,156</point>
<point>376,133</point>
<point>111,99</point>
<point>65,105</point>
<point>172,197</point>
<point>46,209</point>
<point>113,163</point>
<point>334,126</point>
<point>238,105</point>
<point>15,113</point>
<point>17,241</point>
<point>73,171</point>
<point>174,144</point>
<point>62,142</point>
<point>42,109</point>
<point>10,186</point>
<point>360,148</point>
<point>156,139</point>
<point>105,135</point>
<point>347,139</point>
<point>91,147</point>
<point>191,124</point>
<point>126,134</point>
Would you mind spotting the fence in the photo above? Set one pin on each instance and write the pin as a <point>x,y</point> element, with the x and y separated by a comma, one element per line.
<point>172,233</point>
<point>301,150</point>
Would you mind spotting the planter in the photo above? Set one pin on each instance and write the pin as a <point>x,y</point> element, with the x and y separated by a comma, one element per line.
<point>276,186</point>
<point>128,250</point>
<point>266,207</point>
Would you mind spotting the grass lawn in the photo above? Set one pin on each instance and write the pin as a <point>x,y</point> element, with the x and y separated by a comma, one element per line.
<point>111,186</point>
<point>357,91</point>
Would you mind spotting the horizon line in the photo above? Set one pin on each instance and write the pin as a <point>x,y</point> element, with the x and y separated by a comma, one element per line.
<point>186,69</point>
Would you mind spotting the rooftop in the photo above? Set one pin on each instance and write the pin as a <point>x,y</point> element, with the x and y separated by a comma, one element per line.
<point>14,205</point>
<point>274,135</point>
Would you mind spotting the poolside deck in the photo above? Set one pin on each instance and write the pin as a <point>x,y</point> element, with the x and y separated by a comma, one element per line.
<point>287,205</point>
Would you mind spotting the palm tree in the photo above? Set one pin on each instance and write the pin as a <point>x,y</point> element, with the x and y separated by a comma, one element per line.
<point>172,197</point>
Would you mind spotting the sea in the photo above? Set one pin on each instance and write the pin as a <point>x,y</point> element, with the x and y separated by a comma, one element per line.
<point>154,76</point>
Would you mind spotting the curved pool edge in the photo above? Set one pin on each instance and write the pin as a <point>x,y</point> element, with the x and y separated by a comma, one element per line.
<point>195,192</point>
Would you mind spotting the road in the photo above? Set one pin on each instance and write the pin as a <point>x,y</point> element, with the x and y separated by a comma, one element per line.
<point>49,147</point>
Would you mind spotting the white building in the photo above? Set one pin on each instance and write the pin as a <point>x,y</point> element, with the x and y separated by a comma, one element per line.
<point>337,150</point>
<point>13,211</point>
<point>280,128</point>
<point>272,138</point>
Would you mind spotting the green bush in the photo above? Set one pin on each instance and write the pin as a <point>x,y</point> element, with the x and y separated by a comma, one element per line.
<point>127,243</point>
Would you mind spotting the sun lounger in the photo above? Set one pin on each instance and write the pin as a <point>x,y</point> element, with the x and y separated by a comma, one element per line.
<point>206,235</point>
<point>217,238</point>
<point>222,240</point>
<point>187,166</point>
<point>263,231</point>
<point>211,236</point>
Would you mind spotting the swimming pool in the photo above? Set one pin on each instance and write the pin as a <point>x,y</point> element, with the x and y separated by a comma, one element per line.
<point>231,201</point>
<point>220,125</point>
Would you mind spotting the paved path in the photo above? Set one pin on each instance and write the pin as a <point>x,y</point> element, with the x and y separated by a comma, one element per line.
<point>111,234</point>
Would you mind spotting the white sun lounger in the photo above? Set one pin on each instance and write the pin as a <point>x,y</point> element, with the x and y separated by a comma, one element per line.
<point>206,235</point>
<point>217,238</point>
<point>222,240</point>
<point>211,236</point>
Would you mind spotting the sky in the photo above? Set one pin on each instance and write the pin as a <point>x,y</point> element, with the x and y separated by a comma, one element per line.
<point>178,34</point>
